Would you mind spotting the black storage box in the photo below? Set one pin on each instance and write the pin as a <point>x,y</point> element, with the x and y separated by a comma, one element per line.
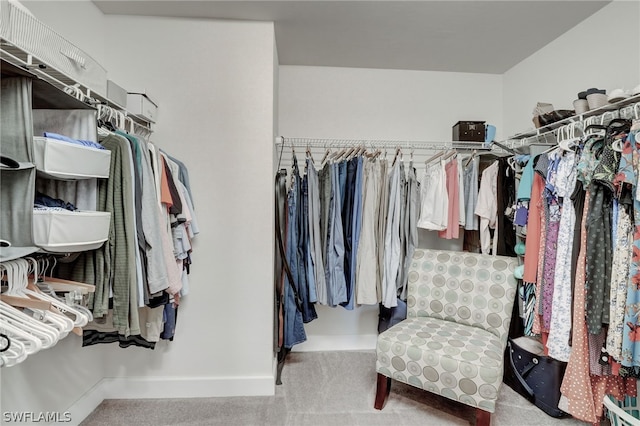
<point>471,131</point>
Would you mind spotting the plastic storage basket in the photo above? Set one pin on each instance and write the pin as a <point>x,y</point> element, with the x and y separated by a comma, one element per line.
<point>622,413</point>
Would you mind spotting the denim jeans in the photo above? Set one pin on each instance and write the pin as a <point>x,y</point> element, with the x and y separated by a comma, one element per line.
<point>357,224</point>
<point>316,253</point>
<point>302,219</point>
<point>347,226</point>
<point>337,291</point>
<point>293,325</point>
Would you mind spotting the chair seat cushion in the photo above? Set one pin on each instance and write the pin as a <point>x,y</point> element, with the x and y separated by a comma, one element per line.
<point>457,361</point>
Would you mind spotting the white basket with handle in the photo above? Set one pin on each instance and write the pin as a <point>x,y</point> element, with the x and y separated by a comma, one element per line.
<point>622,413</point>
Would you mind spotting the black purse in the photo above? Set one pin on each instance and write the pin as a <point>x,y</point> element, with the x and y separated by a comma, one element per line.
<point>536,377</point>
<point>389,317</point>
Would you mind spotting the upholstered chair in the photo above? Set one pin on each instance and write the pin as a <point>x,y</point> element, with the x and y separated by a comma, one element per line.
<point>453,341</point>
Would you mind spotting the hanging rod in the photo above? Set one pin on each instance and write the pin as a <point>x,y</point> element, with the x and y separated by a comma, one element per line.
<point>384,144</point>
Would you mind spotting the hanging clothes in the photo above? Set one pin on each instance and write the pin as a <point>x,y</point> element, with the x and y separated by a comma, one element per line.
<point>471,194</point>
<point>368,292</point>
<point>630,341</point>
<point>334,267</point>
<point>599,243</point>
<point>462,213</point>
<point>486,208</point>
<point>348,227</point>
<point>452,185</point>
<point>434,211</point>
<point>357,228</point>
<point>294,332</point>
<point>560,324</point>
<point>392,240</point>
<point>315,260</point>
<point>410,227</point>
<point>383,211</point>
<point>505,200</point>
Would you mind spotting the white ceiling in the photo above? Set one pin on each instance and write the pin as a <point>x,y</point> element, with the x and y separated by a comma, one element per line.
<point>464,36</point>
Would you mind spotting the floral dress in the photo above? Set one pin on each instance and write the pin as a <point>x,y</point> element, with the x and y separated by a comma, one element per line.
<point>560,324</point>
<point>631,336</point>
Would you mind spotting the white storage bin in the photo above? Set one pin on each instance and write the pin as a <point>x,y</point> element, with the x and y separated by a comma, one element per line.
<point>58,159</point>
<point>141,104</point>
<point>63,231</point>
<point>34,37</point>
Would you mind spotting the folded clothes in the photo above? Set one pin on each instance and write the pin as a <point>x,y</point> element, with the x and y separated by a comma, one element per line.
<point>43,201</point>
<point>90,144</point>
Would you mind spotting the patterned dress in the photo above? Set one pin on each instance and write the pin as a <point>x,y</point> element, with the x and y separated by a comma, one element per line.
<point>560,326</point>
<point>631,336</point>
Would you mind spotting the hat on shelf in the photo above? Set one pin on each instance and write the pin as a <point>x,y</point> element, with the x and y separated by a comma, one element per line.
<point>597,100</point>
<point>581,106</point>
<point>617,95</point>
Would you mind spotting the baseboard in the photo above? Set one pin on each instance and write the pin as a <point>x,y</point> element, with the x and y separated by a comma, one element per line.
<point>86,404</point>
<point>169,387</point>
<point>360,342</point>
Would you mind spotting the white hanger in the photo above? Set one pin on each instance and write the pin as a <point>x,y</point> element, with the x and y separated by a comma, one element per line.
<point>46,333</point>
<point>570,140</point>
<point>13,320</point>
<point>80,318</point>
<point>16,353</point>
<point>18,269</point>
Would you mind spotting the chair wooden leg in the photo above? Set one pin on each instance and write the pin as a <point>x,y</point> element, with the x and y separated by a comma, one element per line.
<point>382,392</point>
<point>483,418</point>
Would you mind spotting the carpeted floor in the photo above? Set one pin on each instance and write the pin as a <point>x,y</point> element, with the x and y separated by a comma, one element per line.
<point>321,388</point>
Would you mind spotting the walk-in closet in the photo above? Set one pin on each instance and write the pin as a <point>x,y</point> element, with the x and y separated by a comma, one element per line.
<point>312,212</point>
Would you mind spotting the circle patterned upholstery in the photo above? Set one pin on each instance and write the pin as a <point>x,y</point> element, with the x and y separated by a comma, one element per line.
<point>453,341</point>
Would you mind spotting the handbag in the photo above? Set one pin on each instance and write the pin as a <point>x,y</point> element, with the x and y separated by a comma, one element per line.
<point>389,317</point>
<point>536,377</point>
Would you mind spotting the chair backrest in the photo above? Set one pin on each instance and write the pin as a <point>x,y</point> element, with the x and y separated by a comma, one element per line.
<point>467,288</point>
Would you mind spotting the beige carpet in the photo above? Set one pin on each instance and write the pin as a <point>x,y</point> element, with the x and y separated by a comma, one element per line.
<point>321,388</point>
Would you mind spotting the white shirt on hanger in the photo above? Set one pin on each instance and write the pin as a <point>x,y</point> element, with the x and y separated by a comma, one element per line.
<point>487,208</point>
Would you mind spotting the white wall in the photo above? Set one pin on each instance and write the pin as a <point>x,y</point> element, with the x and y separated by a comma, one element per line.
<point>214,81</point>
<point>603,51</point>
<point>349,103</point>
<point>326,102</point>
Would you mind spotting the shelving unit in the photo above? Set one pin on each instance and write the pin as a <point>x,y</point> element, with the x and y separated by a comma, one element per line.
<point>29,47</point>
<point>544,132</point>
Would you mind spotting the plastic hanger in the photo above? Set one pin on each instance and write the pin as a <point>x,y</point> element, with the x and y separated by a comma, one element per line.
<point>47,333</point>
<point>11,321</point>
<point>58,306</point>
<point>14,355</point>
<point>570,141</point>
<point>22,345</point>
<point>18,287</point>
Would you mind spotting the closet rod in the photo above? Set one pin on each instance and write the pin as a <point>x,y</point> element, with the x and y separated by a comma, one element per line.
<point>384,144</point>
